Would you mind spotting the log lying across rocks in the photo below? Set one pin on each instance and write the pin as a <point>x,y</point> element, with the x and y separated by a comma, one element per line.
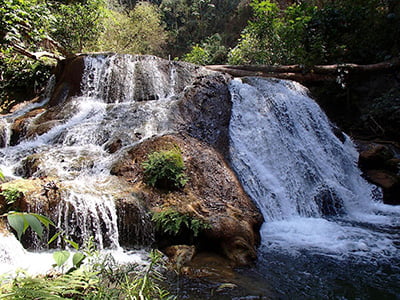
<point>304,73</point>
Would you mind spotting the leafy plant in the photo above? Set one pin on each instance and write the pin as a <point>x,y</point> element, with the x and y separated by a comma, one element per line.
<point>165,169</point>
<point>101,279</point>
<point>210,51</point>
<point>11,195</point>
<point>78,24</point>
<point>137,31</point>
<point>173,222</point>
<point>319,32</point>
<point>21,221</point>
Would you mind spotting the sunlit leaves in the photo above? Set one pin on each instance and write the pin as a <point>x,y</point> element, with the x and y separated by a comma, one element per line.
<point>20,222</point>
<point>61,257</point>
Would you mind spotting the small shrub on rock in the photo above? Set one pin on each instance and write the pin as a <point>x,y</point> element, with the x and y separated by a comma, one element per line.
<point>165,169</point>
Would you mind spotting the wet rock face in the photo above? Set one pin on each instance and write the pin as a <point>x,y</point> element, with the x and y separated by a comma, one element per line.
<point>368,107</point>
<point>206,107</point>
<point>136,101</point>
<point>212,194</point>
<point>381,166</point>
<point>69,74</point>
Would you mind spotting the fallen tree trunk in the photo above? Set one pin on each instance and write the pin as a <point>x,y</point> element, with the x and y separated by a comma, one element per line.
<point>36,55</point>
<point>303,73</point>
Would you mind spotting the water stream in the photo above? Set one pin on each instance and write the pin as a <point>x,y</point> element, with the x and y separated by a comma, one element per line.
<point>125,99</point>
<point>326,234</point>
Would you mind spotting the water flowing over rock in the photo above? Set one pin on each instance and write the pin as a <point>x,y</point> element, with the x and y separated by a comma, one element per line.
<point>82,139</point>
<point>78,155</point>
<point>304,179</point>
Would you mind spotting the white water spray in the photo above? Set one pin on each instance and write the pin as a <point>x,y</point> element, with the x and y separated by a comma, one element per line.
<point>303,178</point>
<point>125,98</point>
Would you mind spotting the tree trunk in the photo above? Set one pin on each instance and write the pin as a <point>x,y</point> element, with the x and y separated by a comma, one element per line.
<point>303,73</point>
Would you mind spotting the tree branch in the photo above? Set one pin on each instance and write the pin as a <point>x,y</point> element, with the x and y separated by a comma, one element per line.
<point>35,55</point>
<point>303,73</point>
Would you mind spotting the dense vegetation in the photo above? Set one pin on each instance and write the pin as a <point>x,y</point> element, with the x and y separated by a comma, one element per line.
<point>34,32</point>
<point>320,32</point>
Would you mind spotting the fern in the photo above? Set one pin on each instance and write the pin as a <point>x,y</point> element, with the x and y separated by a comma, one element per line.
<point>173,222</point>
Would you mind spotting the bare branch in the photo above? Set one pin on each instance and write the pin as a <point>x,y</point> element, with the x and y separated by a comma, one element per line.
<point>303,73</point>
<point>36,55</point>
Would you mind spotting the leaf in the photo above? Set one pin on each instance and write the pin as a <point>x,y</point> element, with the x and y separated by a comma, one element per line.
<point>60,257</point>
<point>72,243</point>
<point>54,237</point>
<point>44,220</point>
<point>77,259</point>
<point>17,222</point>
<point>35,224</point>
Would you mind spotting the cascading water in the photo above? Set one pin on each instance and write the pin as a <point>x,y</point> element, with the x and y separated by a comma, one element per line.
<point>321,216</point>
<point>125,99</point>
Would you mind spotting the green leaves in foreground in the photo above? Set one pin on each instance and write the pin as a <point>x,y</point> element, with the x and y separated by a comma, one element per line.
<point>21,221</point>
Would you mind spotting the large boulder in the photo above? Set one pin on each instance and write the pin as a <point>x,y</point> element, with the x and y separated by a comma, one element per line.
<point>213,194</point>
<point>381,166</point>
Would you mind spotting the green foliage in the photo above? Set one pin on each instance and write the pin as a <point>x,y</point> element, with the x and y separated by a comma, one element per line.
<point>165,169</point>
<point>78,24</point>
<point>101,279</point>
<point>211,51</point>
<point>191,22</point>
<point>137,31</point>
<point>198,55</point>
<point>173,222</point>
<point>22,78</point>
<point>24,22</point>
<point>332,32</point>
<point>21,221</point>
<point>11,195</point>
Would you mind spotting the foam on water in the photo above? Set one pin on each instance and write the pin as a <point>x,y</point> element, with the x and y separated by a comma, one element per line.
<point>14,258</point>
<point>124,99</point>
<point>304,178</point>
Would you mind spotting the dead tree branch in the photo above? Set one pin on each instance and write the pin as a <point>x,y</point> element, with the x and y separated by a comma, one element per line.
<point>303,73</point>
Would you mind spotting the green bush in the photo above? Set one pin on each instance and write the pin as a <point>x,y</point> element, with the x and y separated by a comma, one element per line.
<point>173,222</point>
<point>78,24</point>
<point>165,169</point>
<point>211,51</point>
<point>11,195</point>
<point>100,279</point>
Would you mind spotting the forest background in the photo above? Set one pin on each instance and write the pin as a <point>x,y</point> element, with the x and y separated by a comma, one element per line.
<point>35,34</point>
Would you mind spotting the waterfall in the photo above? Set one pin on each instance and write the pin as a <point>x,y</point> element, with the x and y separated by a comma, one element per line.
<point>302,176</point>
<point>123,98</point>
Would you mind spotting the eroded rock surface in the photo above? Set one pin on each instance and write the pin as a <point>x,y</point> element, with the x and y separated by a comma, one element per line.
<point>212,194</point>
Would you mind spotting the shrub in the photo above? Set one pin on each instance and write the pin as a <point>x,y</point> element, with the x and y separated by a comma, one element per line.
<point>211,51</point>
<point>11,195</point>
<point>359,31</point>
<point>101,279</point>
<point>173,222</point>
<point>138,31</point>
<point>165,169</point>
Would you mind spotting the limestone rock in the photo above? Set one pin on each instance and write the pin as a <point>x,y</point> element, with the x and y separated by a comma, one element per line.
<point>213,194</point>
<point>180,255</point>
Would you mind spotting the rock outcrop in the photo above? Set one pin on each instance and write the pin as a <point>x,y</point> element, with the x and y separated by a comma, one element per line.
<point>212,194</point>
<point>381,166</point>
<point>142,104</point>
